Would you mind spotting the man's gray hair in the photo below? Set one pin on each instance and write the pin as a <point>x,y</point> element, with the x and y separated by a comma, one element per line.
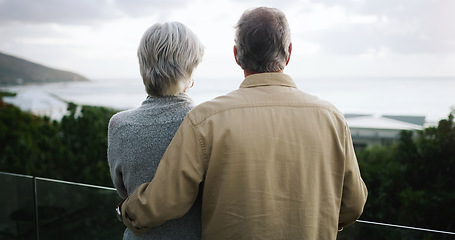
<point>262,40</point>
<point>168,53</point>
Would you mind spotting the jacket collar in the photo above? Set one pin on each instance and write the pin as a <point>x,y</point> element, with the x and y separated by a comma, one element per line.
<point>268,79</point>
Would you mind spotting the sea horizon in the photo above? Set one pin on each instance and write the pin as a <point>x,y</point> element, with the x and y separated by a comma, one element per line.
<point>431,97</point>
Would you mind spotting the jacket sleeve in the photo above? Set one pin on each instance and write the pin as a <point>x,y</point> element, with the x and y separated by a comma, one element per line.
<point>174,187</point>
<point>354,189</point>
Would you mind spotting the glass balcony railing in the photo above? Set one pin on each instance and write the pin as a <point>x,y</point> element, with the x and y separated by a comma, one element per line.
<point>40,208</point>
<point>367,230</point>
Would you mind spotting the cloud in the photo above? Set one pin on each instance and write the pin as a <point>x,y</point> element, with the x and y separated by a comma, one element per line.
<point>64,11</point>
<point>141,8</point>
<point>99,37</point>
<point>404,27</point>
<point>81,11</point>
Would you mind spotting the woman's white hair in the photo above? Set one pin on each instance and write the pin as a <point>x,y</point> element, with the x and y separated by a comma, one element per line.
<point>262,40</point>
<point>168,53</point>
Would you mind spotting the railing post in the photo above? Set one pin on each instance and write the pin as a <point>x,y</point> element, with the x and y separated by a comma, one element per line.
<point>35,209</point>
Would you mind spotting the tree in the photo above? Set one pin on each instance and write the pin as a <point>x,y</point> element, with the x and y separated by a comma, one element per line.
<point>411,183</point>
<point>428,198</point>
<point>84,133</point>
<point>73,149</point>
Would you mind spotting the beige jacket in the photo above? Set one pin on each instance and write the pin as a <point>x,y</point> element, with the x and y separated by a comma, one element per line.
<point>276,163</point>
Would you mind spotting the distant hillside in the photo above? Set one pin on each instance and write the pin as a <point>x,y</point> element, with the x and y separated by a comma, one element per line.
<point>15,71</point>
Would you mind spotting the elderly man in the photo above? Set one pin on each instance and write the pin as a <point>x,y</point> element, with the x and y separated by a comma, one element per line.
<point>275,162</point>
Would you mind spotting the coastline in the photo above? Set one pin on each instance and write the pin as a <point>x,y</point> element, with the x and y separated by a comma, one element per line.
<point>431,98</point>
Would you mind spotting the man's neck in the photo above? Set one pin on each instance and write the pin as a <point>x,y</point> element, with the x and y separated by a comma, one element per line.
<point>246,73</point>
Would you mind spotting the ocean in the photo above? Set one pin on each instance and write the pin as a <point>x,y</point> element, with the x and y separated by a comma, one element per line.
<point>429,97</point>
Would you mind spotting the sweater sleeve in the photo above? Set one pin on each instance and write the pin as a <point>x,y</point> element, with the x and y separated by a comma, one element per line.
<point>115,163</point>
<point>174,188</point>
<point>354,189</point>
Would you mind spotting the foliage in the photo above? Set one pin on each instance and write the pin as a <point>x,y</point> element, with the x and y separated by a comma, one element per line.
<point>7,94</point>
<point>429,177</point>
<point>411,183</point>
<point>73,149</point>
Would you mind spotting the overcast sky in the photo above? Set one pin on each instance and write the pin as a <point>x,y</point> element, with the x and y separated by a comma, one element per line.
<point>98,39</point>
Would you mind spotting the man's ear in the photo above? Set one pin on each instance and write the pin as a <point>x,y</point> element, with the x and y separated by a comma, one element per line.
<point>289,50</point>
<point>235,55</point>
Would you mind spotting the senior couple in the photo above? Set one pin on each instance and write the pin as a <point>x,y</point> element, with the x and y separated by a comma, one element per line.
<point>266,161</point>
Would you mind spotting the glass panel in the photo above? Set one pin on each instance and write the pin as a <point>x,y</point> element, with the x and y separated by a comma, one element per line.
<point>17,219</point>
<point>360,230</point>
<point>76,211</point>
<point>68,210</point>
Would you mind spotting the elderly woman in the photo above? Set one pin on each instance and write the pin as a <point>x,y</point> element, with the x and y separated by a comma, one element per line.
<point>137,139</point>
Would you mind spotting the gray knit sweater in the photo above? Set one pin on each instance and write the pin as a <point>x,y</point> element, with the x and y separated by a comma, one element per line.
<point>137,139</point>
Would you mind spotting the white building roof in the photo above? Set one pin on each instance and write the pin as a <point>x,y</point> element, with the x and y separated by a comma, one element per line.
<point>379,122</point>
